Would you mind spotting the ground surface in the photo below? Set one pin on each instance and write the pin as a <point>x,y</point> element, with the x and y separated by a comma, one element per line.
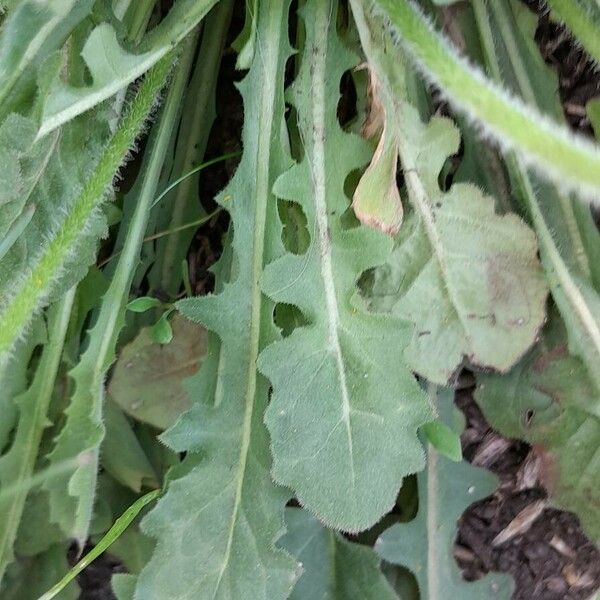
<point>550,558</point>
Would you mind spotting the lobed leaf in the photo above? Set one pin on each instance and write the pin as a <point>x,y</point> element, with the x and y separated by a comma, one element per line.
<point>216,525</point>
<point>424,545</point>
<point>112,67</point>
<point>344,411</point>
<point>468,279</point>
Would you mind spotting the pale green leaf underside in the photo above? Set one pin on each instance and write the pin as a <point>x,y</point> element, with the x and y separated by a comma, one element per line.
<point>424,545</point>
<point>112,67</point>
<point>468,279</point>
<point>217,524</point>
<point>332,567</point>
<point>549,400</point>
<point>344,410</point>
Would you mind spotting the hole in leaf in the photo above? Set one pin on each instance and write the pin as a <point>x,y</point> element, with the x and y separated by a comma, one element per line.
<point>294,235</point>
<point>402,580</point>
<point>347,105</point>
<point>288,317</point>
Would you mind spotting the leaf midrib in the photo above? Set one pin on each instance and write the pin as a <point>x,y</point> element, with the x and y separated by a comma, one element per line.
<point>269,61</point>
<point>319,186</point>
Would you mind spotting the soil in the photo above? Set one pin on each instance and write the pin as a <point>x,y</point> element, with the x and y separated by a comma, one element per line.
<point>549,558</point>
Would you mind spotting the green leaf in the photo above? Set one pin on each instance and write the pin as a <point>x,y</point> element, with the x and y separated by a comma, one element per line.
<point>344,411</point>
<point>161,331</point>
<point>568,256</point>
<point>119,526</point>
<point>140,305</point>
<point>582,17</point>
<point>550,401</point>
<point>69,242</point>
<point>443,439</point>
<point>468,279</point>
<point>570,161</point>
<point>180,206</point>
<point>245,43</point>
<point>122,455</point>
<point>424,545</point>
<point>593,111</point>
<point>147,381</point>
<point>333,568</point>
<point>17,465</point>
<point>112,67</point>
<point>30,32</point>
<point>83,431</point>
<point>32,576</point>
<point>217,523</point>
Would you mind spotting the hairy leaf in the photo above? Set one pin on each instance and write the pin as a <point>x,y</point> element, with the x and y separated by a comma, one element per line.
<point>568,239</point>
<point>564,158</point>
<point>468,279</point>
<point>70,244</point>
<point>112,67</point>
<point>333,568</point>
<point>424,545</point>
<point>550,401</point>
<point>17,465</point>
<point>582,17</point>
<point>217,523</point>
<point>30,32</point>
<point>83,431</point>
<point>344,411</point>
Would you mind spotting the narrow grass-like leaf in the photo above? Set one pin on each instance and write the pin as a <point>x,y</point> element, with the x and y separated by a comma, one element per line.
<point>17,465</point>
<point>181,205</point>
<point>344,412</point>
<point>83,430</point>
<point>113,533</point>
<point>217,523</point>
<point>566,159</point>
<point>424,545</point>
<point>332,567</point>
